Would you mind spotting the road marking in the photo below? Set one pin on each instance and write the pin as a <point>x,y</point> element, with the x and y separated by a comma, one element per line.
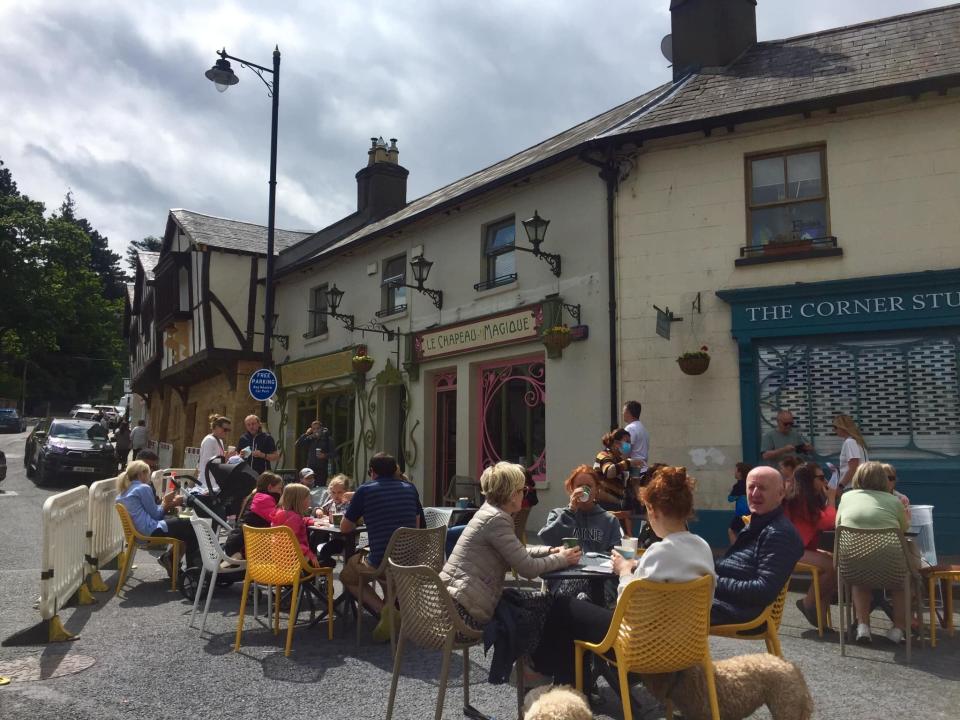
<point>7,493</point>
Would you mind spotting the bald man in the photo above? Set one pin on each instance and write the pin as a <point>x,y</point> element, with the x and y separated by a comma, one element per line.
<point>784,440</point>
<point>752,572</point>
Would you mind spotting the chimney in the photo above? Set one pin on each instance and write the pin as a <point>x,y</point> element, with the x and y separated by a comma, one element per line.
<point>382,184</point>
<point>710,34</point>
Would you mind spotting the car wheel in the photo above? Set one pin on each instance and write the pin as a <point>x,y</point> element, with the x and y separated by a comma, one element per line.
<point>44,476</point>
<point>30,470</point>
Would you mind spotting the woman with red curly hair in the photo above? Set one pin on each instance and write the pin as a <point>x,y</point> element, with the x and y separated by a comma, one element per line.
<point>679,557</point>
<point>582,518</point>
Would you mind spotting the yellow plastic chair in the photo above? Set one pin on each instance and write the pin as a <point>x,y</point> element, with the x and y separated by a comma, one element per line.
<point>274,558</point>
<point>814,572</point>
<point>769,620</point>
<point>946,575</point>
<point>657,628</point>
<point>133,540</point>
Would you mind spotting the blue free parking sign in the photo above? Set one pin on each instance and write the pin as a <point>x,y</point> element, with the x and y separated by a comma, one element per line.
<point>263,384</point>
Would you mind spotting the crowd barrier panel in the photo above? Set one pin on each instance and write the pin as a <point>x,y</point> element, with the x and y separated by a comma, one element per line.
<point>191,457</point>
<point>63,563</point>
<point>165,453</point>
<point>104,532</point>
<point>154,445</point>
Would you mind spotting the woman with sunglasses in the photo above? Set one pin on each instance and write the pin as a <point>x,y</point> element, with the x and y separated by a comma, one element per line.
<point>811,510</point>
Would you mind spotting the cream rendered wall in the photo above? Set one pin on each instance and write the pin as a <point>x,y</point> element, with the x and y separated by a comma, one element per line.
<point>572,197</point>
<point>893,174</point>
<point>230,282</point>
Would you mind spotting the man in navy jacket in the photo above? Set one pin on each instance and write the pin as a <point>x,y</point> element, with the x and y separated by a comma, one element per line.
<point>754,570</point>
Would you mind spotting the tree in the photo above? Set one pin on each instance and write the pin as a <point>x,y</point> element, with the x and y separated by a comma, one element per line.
<point>59,308</point>
<point>104,261</point>
<point>149,243</point>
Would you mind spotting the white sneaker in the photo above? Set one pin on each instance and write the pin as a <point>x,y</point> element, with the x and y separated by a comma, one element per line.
<point>863,634</point>
<point>895,635</point>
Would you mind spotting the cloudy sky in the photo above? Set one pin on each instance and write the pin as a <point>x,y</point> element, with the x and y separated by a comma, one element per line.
<point>108,98</point>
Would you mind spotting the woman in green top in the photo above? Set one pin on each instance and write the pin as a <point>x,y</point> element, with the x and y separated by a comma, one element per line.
<point>871,506</point>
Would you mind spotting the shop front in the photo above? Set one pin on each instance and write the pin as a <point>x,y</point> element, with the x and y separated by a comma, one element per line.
<point>321,388</point>
<point>486,387</point>
<point>885,350</point>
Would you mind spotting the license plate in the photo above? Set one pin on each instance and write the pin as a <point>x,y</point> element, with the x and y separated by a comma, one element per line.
<point>84,469</point>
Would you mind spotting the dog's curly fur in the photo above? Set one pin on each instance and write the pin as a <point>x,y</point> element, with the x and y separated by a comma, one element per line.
<point>560,702</point>
<point>744,683</point>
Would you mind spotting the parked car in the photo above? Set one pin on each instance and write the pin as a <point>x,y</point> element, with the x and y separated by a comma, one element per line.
<point>110,413</point>
<point>79,406</point>
<point>10,421</point>
<point>69,447</point>
<point>87,414</point>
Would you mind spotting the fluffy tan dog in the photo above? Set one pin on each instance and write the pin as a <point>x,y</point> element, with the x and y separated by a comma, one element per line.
<point>744,683</point>
<point>560,702</point>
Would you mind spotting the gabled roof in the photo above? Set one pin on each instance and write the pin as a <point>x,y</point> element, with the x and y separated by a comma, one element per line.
<point>148,260</point>
<point>889,57</point>
<point>233,234</point>
<point>549,151</point>
<point>833,63</point>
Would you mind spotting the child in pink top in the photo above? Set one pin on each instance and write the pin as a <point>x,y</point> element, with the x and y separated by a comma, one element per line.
<point>293,506</point>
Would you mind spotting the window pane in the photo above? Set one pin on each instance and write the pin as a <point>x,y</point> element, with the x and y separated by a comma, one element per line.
<point>503,264</point>
<point>778,224</point>
<point>803,175</point>
<point>399,297</point>
<point>499,237</point>
<point>394,269</point>
<point>767,178</point>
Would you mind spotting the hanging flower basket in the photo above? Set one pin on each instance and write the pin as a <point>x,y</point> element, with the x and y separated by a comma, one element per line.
<point>694,363</point>
<point>556,338</point>
<point>362,363</point>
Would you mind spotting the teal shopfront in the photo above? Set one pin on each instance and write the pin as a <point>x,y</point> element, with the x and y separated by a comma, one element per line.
<point>885,350</point>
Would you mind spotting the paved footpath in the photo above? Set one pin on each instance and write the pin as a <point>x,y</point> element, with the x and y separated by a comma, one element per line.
<point>136,657</point>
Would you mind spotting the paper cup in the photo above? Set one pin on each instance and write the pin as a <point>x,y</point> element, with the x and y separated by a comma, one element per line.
<point>571,542</point>
<point>630,544</point>
<point>626,552</point>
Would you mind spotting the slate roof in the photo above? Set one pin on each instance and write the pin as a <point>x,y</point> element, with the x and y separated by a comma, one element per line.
<point>149,261</point>
<point>233,234</point>
<point>772,77</point>
<point>832,63</point>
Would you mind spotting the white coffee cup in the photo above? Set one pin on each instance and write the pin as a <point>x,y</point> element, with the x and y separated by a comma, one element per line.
<point>629,544</point>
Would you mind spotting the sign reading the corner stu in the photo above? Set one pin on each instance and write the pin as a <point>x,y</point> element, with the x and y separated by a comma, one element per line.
<point>516,326</point>
<point>854,307</point>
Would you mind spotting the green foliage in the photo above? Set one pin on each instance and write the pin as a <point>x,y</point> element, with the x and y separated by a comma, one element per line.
<point>61,306</point>
<point>149,243</point>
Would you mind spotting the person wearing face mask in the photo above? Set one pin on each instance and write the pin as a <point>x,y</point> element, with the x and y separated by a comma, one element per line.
<point>613,465</point>
<point>257,511</point>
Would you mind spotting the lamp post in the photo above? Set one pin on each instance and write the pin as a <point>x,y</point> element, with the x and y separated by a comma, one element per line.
<point>222,75</point>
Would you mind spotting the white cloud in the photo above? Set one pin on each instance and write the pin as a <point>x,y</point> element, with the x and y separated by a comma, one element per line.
<point>109,98</point>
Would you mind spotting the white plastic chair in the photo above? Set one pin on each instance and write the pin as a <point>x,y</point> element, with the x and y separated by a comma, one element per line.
<point>211,554</point>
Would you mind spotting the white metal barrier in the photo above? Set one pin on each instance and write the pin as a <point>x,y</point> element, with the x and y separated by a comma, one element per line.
<point>104,531</point>
<point>165,452</point>
<point>191,457</point>
<point>154,445</point>
<point>63,536</point>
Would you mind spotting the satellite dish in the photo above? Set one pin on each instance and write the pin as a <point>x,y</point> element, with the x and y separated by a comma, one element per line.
<point>666,47</point>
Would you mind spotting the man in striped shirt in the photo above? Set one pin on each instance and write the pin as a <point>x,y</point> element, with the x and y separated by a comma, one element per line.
<point>385,503</point>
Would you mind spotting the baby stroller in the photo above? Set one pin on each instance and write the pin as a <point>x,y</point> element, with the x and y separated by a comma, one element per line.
<point>206,506</point>
<point>235,482</point>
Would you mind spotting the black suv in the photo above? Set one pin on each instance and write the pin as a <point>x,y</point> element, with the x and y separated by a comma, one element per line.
<point>10,421</point>
<point>69,447</point>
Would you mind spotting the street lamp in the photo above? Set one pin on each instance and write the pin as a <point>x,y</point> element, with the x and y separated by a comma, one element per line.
<point>536,228</point>
<point>222,75</point>
<point>421,270</point>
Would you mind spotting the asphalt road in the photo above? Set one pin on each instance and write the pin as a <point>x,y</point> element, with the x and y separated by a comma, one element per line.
<point>148,663</point>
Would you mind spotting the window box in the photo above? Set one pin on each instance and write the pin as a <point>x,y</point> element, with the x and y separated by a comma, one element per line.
<point>802,249</point>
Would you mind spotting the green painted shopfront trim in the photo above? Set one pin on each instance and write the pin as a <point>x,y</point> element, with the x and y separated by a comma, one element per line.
<point>922,301</point>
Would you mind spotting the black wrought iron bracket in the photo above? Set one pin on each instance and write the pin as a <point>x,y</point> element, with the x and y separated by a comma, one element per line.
<point>552,259</point>
<point>574,311</point>
<point>258,69</point>
<point>435,295</point>
<point>348,321</point>
<point>284,340</point>
<point>378,328</point>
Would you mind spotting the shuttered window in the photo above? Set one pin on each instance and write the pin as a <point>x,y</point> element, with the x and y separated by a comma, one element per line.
<point>903,391</point>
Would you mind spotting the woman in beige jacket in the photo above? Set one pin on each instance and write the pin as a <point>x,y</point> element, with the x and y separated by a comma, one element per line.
<point>489,547</point>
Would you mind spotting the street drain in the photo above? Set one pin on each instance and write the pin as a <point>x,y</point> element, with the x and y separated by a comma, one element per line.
<point>44,667</point>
